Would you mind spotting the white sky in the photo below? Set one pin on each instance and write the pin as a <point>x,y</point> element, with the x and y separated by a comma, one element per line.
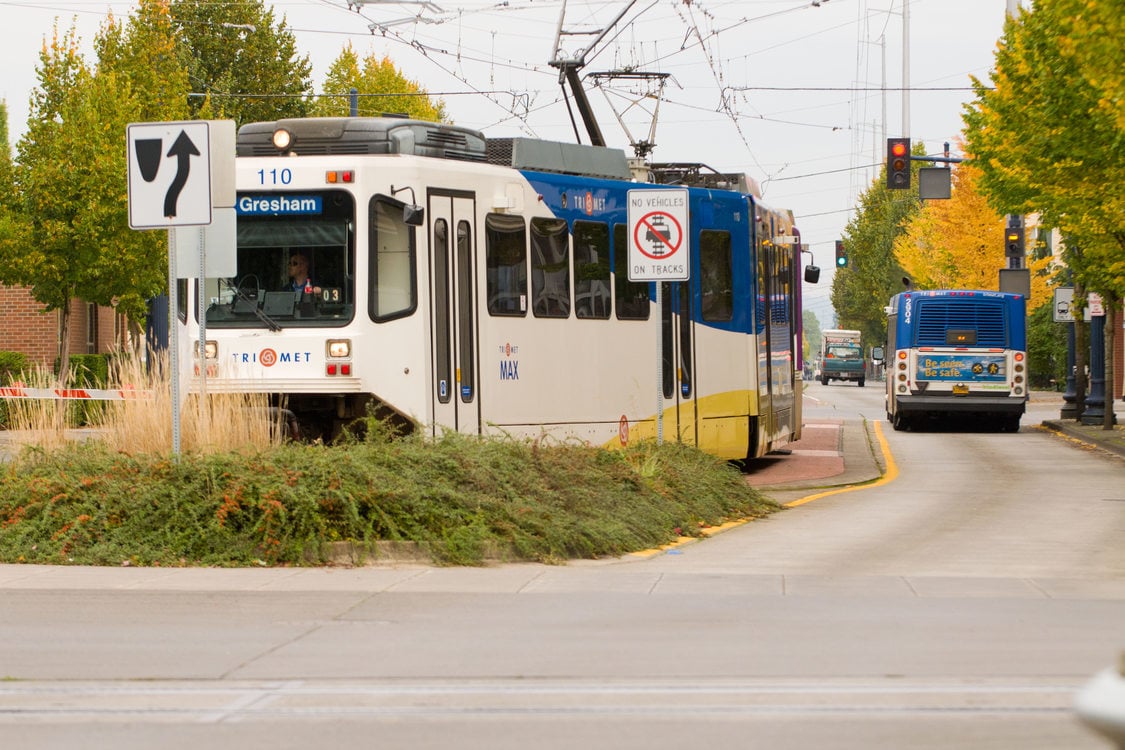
<point>792,93</point>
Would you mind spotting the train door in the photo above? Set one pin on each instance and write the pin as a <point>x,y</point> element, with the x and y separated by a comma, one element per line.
<point>455,392</point>
<point>767,426</point>
<point>678,362</point>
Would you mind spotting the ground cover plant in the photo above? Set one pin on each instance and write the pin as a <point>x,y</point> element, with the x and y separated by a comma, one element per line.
<point>238,494</point>
<point>460,497</point>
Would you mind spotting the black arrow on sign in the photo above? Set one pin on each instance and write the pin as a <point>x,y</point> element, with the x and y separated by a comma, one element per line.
<point>183,149</point>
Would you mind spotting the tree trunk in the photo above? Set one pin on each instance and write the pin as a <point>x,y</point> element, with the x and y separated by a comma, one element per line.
<point>63,372</point>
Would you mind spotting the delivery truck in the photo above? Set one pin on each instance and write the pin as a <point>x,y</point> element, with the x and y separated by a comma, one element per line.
<point>841,357</point>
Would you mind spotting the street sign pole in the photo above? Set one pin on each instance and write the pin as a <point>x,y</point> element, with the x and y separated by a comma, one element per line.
<point>659,367</point>
<point>659,251</point>
<point>173,342</point>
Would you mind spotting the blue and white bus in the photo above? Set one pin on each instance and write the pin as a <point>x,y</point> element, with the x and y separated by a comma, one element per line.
<point>458,282</point>
<point>959,353</point>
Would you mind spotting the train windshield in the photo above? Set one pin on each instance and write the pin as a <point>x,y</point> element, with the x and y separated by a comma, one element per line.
<point>295,264</point>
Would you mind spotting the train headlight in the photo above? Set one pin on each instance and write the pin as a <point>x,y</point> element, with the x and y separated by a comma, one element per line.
<point>282,139</point>
<point>339,348</point>
<point>210,349</point>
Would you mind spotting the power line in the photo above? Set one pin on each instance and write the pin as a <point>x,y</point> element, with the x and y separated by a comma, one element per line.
<point>856,89</point>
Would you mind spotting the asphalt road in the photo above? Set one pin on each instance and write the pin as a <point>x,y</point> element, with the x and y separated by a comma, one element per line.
<point>958,602</point>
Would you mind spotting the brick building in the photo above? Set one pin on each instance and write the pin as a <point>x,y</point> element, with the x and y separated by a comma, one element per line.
<point>28,329</point>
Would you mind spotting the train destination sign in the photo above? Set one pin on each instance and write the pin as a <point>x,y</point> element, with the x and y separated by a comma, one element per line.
<point>658,235</point>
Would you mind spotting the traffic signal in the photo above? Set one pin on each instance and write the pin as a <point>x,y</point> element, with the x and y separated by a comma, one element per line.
<point>1014,242</point>
<point>841,255</point>
<point>898,163</point>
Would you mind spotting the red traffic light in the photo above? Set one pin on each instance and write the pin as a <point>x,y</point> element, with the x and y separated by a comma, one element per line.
<point>898,163</point>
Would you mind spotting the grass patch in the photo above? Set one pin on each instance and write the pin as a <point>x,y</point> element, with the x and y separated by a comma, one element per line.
<point>238,495</point>
<point>283,504</point>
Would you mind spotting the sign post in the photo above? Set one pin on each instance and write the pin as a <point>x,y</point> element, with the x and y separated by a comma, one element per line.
<point>659,243</point>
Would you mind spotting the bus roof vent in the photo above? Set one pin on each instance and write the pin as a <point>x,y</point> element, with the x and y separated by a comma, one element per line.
<point>322,136</point>
<point>561,158</point>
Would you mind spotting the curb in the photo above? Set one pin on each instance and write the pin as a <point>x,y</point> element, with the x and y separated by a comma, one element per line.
<point>1083,436</point>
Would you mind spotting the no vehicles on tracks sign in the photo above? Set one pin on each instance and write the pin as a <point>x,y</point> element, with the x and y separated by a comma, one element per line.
<point>658,235</point>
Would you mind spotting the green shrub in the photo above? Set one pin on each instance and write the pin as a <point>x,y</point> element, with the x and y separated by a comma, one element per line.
<point>87,371</point>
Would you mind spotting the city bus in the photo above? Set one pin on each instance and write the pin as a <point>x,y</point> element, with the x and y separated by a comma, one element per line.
<point>957,353</point>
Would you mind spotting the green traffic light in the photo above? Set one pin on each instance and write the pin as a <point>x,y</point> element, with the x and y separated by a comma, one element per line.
<point>842,261</point>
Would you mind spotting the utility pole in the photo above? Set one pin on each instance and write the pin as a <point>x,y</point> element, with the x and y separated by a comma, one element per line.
<point>906,68</point>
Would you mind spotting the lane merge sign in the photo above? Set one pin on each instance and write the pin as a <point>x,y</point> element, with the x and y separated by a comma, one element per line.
<point>659,235</point>
<point>169,174</point>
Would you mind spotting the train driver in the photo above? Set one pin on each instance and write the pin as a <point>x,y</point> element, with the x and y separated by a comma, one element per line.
<point>299,278</point>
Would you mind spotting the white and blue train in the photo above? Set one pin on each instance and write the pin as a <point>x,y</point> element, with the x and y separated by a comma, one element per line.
<point>482,285</point>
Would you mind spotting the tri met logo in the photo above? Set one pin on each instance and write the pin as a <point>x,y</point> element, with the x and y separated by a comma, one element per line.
<point>270,357</point>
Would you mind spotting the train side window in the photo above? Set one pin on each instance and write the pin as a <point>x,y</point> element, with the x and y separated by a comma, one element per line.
<point>181,299</point>
<point>716,278</point>
<point>505,247</point>
<point>550,268</point>
<point>632,296</point>
<point>393,280</point>
<point>591,270</point>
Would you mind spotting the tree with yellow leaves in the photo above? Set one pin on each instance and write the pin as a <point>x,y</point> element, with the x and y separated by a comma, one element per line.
<point>959,243</point>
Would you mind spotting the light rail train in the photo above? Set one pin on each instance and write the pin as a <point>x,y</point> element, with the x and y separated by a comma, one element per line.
<point>457,282</point>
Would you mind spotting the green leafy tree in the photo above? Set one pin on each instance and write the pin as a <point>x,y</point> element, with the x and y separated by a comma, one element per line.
<point>1094,42</point>
<point>7,175</point>
<point>1046,349</point>
<point>1049,137</point>
<point>54,250</point>
<point>382,89</point>
<point>862,289</point>
<point>243,61</point>
<point>72,240</point>
<point>813,334</point>
<point>1047,142</point>
<point>10,213</point>
<point>143,51</point>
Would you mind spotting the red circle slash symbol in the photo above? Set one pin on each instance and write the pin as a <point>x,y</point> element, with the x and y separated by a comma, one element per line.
<point>662,233</point>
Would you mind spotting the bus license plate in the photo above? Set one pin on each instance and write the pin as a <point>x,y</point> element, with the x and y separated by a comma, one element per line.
<point>960,390</point>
